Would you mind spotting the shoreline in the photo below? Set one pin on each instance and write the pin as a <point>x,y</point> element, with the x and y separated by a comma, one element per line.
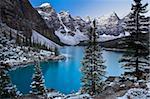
<point>115,49</point>
<point>17,65</point>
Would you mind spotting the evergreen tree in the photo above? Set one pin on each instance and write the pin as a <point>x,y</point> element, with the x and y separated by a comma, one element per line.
<point>136,58</point>
<point>7,90</point>
<point>4,34</point>
<point>30,41</point>
<point>93,69</point>
<point>56,51</point>
<point>18,40</point>
<point>38,87</point>
<point>10,35</point>
<point>26,41</point>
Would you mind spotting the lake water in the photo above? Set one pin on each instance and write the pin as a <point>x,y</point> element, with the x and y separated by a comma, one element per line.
<point>64,76</point>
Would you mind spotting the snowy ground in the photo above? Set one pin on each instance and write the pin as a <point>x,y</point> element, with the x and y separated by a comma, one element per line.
<point>71,40</point>
<point>38,38</point>
<point>135,93</point>
<point>16,55</point>
<point>57,95</point>
<point>68,39</point>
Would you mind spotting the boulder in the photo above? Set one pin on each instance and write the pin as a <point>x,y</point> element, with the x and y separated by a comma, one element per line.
<point>128,84</point>
<point>108,93</point>
<point>142,85</point>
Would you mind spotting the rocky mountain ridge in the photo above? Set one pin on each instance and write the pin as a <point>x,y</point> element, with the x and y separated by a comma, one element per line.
<point>21,16</point>
<point>65,24</point>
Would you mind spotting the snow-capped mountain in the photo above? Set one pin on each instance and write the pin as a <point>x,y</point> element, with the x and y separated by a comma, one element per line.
<point>49,15</point>
<point>21,16</point>
<point>58,20</point>
<point>110,25</point>
<point>68,27</point>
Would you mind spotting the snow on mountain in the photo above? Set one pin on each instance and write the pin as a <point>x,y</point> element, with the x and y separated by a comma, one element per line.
<point>109,27</point>
<point>108,19</point>
<point>71,40</point>
<point>45,5</point>
<point>135,93</point>
<point>105,37</point>
<point>67,20</point>
<point>7,29</point>
<point>61,22</point>
<point>38,38</point>
<point>16,55</point>
<point>69,30</point>
<point>50,16</point>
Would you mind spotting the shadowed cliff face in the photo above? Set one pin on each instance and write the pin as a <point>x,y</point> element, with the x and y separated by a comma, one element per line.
<point>20,15</point>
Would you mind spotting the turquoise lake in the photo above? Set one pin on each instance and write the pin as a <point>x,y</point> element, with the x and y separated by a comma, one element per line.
<point>64,76</point>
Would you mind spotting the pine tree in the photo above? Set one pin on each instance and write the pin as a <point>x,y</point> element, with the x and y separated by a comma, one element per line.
<point>56,51</point>
<point>93,69</point>
<point>136,58</point>
<point>26,40</point>
<point>10,35</point>
<point>18,40</point>
<point>4,34</point>
<point>7,90</point>
<point>38,87</point>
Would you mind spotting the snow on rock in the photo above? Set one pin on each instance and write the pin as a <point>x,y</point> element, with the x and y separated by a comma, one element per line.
<point>105,37</point>
<point>38,38</point>
<point>57,95</point>
<point>78,96</point>
<point>67,39</point>
<point>45,5</point>
<point>148,85</point>
<point>110,25</point>
<point>135,93</point>
<point>7,29</point>
<point>59,17</point>
<point>71,40</point>
<point>18,56</point>
<point>46,53</point>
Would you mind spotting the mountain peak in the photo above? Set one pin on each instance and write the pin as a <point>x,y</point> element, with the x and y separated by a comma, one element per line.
<point>64,13</point>
<point>115,15</point>
<point>45,5</point>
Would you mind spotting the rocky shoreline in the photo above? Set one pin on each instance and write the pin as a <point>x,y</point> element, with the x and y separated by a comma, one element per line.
<point>114,90</point>
<point>31,62</point>
<point>115,49</point>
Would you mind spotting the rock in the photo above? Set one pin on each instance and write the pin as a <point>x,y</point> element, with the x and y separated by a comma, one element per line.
<point>142,85</point>
<point>128,84</point>
<point>109,93</point>
<point>116,87</point>
<point>121,93</point>
<point>111,78</point>
<point>20,15</point>
<point>32,97</point>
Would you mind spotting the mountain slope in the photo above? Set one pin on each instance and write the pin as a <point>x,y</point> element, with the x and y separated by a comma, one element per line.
<point>110,25</point>
<point>67,27</point>
<point>20,15</point>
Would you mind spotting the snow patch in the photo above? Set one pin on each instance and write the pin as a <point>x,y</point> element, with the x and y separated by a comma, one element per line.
<point>45,5</point>
<point>71,40</point>
<point>135,93</point>
<point>105,37</point>
<point>38,38</point>
<point>66,29</point>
